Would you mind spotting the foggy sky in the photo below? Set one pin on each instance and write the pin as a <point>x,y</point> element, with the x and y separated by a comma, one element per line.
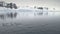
<point>44,3</point>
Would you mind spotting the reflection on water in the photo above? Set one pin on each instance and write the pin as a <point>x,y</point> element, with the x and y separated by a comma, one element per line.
<point>29,21</point>
<point>30,25</point>
<point>8,15</point>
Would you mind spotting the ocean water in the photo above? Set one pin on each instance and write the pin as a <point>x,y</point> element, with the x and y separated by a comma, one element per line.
<point>30,25</point>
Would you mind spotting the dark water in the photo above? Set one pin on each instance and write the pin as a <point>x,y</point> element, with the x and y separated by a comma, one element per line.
<point>30,25</point>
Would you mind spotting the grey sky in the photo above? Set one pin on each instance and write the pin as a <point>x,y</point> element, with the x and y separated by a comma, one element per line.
<point>47,3</point>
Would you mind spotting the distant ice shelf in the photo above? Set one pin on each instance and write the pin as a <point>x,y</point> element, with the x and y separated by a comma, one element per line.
<point>30,12</point>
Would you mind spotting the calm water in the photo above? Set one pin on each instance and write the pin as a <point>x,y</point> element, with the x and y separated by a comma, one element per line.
<point>30,25</point>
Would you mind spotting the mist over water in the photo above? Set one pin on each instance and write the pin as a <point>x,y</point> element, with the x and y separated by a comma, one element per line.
<point>30,24</point>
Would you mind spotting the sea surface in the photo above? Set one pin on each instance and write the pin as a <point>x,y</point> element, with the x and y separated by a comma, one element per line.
<point>30,25</point>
